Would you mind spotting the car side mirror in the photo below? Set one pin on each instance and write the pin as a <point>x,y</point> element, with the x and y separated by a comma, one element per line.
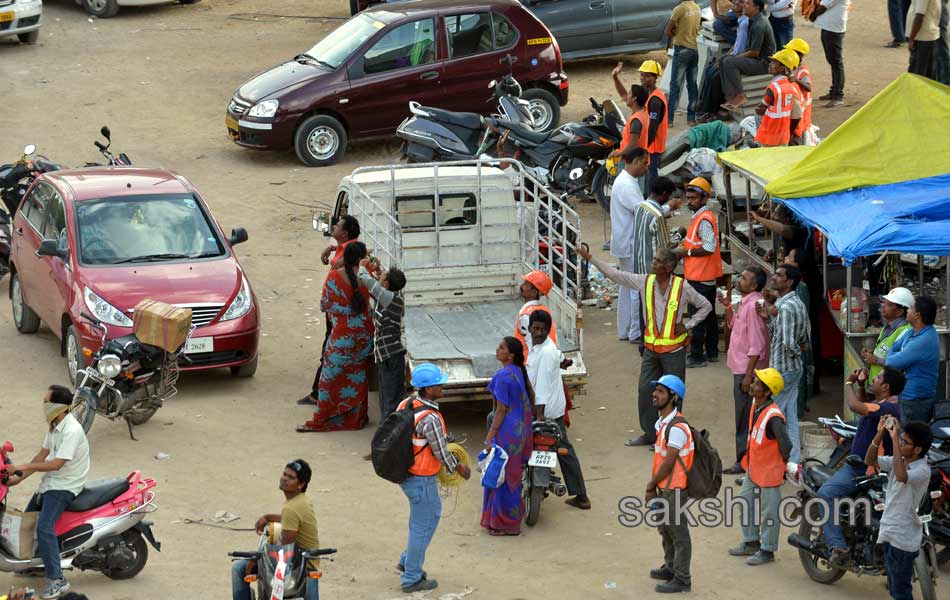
<point>238,236</point>
<point>321,223</point>
<point>52,248</point>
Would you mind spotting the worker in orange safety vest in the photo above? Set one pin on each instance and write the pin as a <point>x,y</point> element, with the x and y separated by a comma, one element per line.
<point>781,108</point>
<point>535,285</point>
<point>656,108</point>
<point>802,77</point>
<point>765,463</point>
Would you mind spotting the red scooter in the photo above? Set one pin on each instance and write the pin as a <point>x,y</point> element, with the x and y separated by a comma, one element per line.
<point>103,529</point>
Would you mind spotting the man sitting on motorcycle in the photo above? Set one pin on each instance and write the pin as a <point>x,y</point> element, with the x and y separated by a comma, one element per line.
<point>885,387</point>
<point>64,462</point>
<point>298,525</point>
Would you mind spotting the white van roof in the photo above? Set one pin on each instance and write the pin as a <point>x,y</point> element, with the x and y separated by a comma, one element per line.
<point>371,175</point>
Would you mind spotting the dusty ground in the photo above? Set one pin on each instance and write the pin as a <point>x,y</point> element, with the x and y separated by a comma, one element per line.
<point>161,78</point>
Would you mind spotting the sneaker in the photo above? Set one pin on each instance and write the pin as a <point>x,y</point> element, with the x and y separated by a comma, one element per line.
<point>55,589</point>
<point>839,556</point>
<point>664,573</point>
<point>760,558</point>
<point>693,363</point>
<point>423,585</point>
<point>672,587</point>
<point>712,359</point>
<point>834,102</point>
<point>735,469</point>
<point>744,549</point>
<point>827,96</point>
<point>402,569</point>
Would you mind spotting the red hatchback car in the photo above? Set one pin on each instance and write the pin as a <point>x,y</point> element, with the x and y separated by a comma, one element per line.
<point>99,240</point>
<point>357,81</point>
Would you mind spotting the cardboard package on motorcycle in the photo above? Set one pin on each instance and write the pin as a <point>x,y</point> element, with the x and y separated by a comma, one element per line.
<point>18,533</point>
<point>159,324</point>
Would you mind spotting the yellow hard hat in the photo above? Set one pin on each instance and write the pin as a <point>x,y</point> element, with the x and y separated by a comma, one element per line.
<point>651,66</point>
<point>700,184</point>
<point>798,45</point>
<point>772,380</point>
<point>612,165</point>
<point>789,58</point>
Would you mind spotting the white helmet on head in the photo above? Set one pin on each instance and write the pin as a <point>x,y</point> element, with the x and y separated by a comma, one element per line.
<point>901,296</point>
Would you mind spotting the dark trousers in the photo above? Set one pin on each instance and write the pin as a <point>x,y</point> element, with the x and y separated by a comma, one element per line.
<point>922,59</point>
<point>51,506</point>
<point>942,52</point>
<point>743,402</point>
<point>900,572</point>
<point>392,383</point>
<point>705,336</point>
<point>783,28</point>
<point>677,544</point>
<point>653,365</point>
<point>653,171</point>
<point>833,45</point>
<point>896,14</point>
<point>685,65</point>
<point>734,67</point>
<point>326,340</point>
<point>917,409</point>
<point>570,464</point>
<point>710,96</point>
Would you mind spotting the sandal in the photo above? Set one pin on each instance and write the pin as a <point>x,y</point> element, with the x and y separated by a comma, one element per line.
<point>500,533</point>
<point>307,429</point>
<point>576,502</point>
<point>308,399</point>
<point>731,107</point>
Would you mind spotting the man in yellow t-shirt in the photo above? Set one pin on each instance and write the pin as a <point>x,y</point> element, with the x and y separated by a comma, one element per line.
<point>298,526</point>
<point>683,29</point>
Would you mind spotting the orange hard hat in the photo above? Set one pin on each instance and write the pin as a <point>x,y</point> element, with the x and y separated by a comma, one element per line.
<point>700,184</point>
<point>540,281</point>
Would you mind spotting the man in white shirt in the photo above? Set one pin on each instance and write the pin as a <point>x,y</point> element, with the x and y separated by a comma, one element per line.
<point>831,16</point>
<point>64,462</point>
<point>923,33</point>
<point>544,371</point>
<point>624,199</point>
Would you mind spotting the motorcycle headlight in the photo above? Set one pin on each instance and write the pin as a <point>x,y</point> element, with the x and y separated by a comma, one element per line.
<point>104,311</point>
<point>241,304</point>
<point>265,109</point>
<point>109,366</point>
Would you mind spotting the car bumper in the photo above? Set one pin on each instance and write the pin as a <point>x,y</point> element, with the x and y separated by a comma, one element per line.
<point>263,134</point>
<point>21,17</point>
<point>563,87</point>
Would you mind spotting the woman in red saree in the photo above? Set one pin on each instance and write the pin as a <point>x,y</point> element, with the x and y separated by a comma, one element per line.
<point>344,383</point>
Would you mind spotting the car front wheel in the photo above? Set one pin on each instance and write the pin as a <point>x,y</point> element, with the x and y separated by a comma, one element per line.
<point>246,370</point>
<point>24,318</point>
<point>104,9</point>
<point>320,141</point>
<point>544,108</point>
<point>75,361</point>
<point>29,37</point>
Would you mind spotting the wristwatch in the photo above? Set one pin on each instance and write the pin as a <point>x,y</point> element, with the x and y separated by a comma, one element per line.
<point>689,252</point>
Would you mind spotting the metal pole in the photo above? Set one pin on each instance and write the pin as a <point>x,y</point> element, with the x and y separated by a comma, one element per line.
<point>435,217</point>
<point>824,262</point>
<point>479,214</point>
<point>847,321</point>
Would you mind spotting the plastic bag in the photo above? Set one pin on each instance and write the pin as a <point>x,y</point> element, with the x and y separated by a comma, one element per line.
<point>492,464</point>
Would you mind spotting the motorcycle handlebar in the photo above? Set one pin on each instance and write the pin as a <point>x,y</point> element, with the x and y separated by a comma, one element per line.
<point>244,554</point>
<point>320,552</point>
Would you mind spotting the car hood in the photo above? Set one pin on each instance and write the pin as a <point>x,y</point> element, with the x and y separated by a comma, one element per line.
<point>183,283</point>
<point>281,77</point>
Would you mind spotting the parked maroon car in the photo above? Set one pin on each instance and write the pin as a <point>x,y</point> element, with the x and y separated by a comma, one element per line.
<point>357,82</point>
<point>99,240</point>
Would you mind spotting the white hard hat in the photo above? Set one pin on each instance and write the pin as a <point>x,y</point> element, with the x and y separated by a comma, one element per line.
<point>901,296</point>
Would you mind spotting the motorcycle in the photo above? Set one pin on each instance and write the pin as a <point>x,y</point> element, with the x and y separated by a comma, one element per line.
<point>860,530</point>
<point>538,478</point>
<point>125,379</point>
<point>940,481</point>
<point>282,570</point>
<point>15,179</point>
<point>122,160</point>
<point>103,528</point>
<point>843,433</point>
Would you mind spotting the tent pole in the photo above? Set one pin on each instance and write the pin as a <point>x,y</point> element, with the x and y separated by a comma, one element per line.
<point>920,274</point>
<point>847,317</point>
<point>824,262</point>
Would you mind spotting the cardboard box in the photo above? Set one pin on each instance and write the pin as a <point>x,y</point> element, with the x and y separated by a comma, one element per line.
<point>18,533</point>
<point>159,324</point>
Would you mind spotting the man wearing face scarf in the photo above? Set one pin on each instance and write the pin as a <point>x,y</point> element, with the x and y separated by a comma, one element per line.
<point>64,463</point>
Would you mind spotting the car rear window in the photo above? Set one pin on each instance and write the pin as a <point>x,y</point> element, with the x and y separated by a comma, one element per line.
<point>505,32</point>
<point>469,34</point>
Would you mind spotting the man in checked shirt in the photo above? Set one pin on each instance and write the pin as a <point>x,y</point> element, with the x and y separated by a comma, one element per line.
<point>388,348</point>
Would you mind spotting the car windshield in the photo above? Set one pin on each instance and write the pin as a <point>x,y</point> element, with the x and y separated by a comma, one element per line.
<point>345,39</point>
<point>145,229</point>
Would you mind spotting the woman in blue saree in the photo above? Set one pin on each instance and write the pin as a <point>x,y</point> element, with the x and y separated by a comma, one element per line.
<point>503,507</point>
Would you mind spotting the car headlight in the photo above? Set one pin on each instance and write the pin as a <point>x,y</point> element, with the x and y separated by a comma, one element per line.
<point>104,311</point>
<point>109,366</point>
<point>241,303</point>
<point>265,109</point>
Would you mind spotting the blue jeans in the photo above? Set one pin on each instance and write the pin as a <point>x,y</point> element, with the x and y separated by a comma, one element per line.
<point>784,30</point>
<point>425,510</point>
<point>685,64</point>
<point>916,409</point>
<point>241,590</point>
<point>900,572</point>
<point>727,28</point>
<point>895,15</point>
<point>840,485</point>
<point>788,402</point>
<point>53,502</point>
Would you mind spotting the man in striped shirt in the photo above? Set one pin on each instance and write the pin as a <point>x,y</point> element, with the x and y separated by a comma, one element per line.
<point>790,330</point>
<point>388,349</point>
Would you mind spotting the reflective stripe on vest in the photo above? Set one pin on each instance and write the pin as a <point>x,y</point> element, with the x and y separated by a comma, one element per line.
<point>425,463</point>
<point>775,128</point>
<point>678,476</point>
<point>653,339</point>
<point>659,142</point>
<point>763,458</point>
<point>702,268</point>
<point>522,336</point>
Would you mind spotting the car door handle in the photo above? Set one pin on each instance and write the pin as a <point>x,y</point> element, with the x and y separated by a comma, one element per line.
<point>429,75</point>
<point>19,231</point>
<point>597,4</point>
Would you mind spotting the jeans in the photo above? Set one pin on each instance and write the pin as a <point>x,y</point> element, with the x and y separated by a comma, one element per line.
<point>917,409</point>
<point>50,505</point>
<point>570,464</point>
<point>900,572</point>
<point>392,383</point>
<point>425,510</point>
<point>833,45</point>
<point>743,403</point>
<point>705,341</point>
<point>677,544</point>
<point>765,526</point>
<point>784,30</point>
<point>654,169</point>
<point>652,366</point>
<point>727,28</point>
<point>628,306</point>
<point>241,590</point>
<point>895,15</point>
<point>922,59</point>
<point>685,64</point>
<point>840,485</point>
<point>788,402</point>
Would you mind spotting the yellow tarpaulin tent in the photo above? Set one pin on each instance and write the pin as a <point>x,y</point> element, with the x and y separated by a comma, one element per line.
<point>766,164</point>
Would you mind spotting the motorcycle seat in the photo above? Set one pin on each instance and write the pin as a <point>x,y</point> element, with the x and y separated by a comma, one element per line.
<point>819,474</point>
<point>461,119</point>
<point>535,137</point>
<point>97,493</point>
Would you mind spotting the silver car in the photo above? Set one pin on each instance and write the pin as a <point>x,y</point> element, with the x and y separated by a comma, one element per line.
<point>21,18</point>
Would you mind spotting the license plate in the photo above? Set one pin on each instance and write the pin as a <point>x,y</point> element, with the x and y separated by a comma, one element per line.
<point>6,16</point>
<point>232,124</point>
<point>202,344</point>
<point>543,459</point>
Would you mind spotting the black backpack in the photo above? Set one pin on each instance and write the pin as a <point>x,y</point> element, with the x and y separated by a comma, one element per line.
<point>705,478</point>
<point>391,450</point>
